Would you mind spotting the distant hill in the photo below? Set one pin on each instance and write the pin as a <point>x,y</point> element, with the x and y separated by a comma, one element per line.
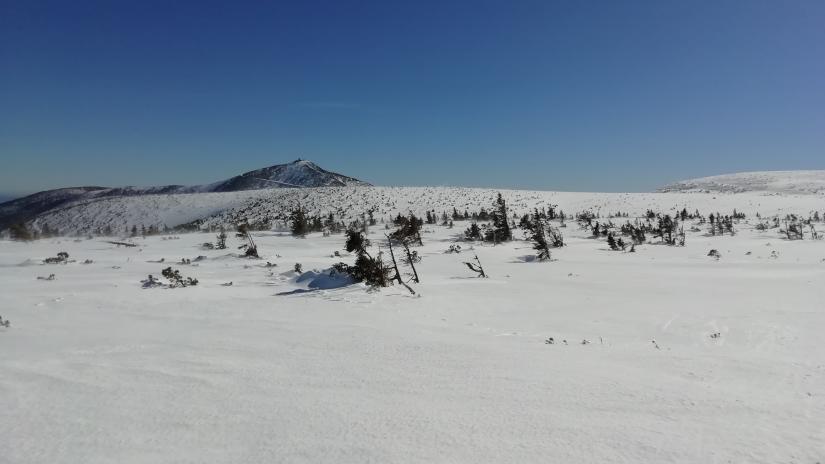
<point>297,174</point>
<point>783,182</point>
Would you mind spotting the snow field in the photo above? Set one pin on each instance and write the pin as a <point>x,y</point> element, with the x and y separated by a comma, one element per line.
<point>97,369</point>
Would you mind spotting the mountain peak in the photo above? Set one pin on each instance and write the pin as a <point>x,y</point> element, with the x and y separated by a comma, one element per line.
<point>300,173</point>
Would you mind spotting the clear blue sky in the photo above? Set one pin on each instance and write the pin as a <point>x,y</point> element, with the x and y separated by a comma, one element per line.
<point>614,96</point>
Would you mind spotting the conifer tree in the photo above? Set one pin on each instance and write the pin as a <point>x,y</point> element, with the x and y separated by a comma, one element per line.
<point>19,231</point>
<point>544,236</point>
<point>539,238</point>
<point>356,242</point>
<point>500,232</point>
<point>299,224</point>
<point>409,229</point>
<point>611,242</point>
<point>667,226</point>
<point>473,232</point>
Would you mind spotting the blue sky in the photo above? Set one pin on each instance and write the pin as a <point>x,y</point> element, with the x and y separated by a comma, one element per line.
<point>611,96</point>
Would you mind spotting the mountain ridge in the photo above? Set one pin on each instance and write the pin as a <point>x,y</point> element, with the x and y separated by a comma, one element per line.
<point>296,174</point>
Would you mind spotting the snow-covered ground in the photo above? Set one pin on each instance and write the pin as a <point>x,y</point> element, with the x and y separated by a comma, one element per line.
<point>96,369</point>
<point>769,182</point>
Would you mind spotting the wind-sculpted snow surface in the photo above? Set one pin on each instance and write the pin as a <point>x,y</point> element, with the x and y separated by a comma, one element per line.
<point>783,182</point>
<point>664,355</point>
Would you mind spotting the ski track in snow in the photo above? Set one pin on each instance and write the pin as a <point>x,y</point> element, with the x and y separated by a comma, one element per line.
<point>95,369</point>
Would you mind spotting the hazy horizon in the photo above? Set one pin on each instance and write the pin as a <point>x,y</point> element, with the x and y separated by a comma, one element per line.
<point>6,196</point>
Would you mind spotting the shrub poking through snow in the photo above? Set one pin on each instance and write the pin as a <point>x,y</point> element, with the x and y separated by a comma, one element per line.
<point>151,282</point>
<point>177,280</point>
<point>4,322</point>
<point>250,249</point>
<point>412,257</point>
<point>368,269</point>
<point>298,268</point>
<point>715,253</point>
<point>793,230</point>
<point>476,267</point>
<point>61,258</point>
<point>221,243</point>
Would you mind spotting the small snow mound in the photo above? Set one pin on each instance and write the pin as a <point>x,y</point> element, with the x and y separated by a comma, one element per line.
<point>324,280</point>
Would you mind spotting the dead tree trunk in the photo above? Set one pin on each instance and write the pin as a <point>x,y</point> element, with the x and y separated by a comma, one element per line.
<point>411,263</point>
<point>397,276</point>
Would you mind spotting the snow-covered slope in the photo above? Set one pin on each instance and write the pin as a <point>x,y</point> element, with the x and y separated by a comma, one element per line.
<point>271,206</point>
<point>783,182</point>
<point>297,174</point>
